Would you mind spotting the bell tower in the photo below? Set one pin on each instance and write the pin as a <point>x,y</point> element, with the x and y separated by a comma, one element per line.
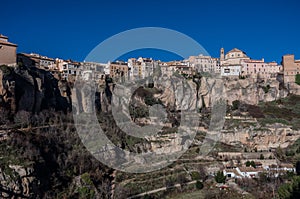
<point>222,54</point>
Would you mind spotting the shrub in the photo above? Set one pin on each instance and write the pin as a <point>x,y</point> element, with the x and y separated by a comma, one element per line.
<point>266,88</point>
<point>220,177</point>
<point>235,104</point>
<point>6,70</point>
<point>199,185</point>
<point>195,175</point>
<point>297,79</point>
<point>261,157</point>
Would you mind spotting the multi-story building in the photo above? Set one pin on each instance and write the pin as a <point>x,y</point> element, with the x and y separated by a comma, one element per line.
<point>233,57</point>
<point>118,69</point>
<point>185,70</point>
<point>8,51</point>
<point>259,69</point>
<point>167,69</point>
<point>237,63</point>
<point>36,60</point>
<point>231,62</point>
<point>69,69</point>
<point>202,63</point>
<point>233,70</point>
<point>291,68</point>
<point>141,68</point>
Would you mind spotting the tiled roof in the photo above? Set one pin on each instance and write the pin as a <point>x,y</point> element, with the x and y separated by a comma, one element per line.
<point>7,43</point>
<point>4,37</point>
<point>235,50</point>
<point>250,169</point>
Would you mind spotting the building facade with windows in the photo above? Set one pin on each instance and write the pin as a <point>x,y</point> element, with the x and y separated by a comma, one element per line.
<point>118,69</point>
<point>259,69</point>
<point>36,60</point>
<point>202,63</point>
<point>8,51</point>
<point>291,68</point>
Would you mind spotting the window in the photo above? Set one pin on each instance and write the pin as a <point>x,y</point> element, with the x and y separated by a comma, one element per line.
<point>226,70</point>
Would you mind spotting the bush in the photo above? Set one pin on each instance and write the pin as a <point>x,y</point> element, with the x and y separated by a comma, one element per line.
<point>199,185</point>
<point>6,70</point>
<point>220,177</point>
<point>195,175</point>
<point>266,88</point>
<point>235,104</point>
<point>261,157</point>
<point>252,163</point>
<point>297,79</point>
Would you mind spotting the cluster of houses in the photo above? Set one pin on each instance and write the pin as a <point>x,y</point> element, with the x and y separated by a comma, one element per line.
<point>235,63</point>
<point>250,165</point>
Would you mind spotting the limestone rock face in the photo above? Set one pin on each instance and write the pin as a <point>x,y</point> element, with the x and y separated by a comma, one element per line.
<point>252,91</point>
<point>263,139</point>
<point>32,89</point>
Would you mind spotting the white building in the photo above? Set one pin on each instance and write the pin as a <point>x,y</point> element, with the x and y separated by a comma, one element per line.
<point>230,70</point>
<point>243,172</point>
<point>141,68</point>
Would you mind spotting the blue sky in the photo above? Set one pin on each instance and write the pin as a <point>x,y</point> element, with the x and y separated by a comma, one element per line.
<point>71,29</point>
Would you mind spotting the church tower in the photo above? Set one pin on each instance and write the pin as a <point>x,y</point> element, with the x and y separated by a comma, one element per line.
<point>222,54</point>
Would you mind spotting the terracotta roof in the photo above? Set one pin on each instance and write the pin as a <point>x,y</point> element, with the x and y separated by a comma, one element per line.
<point>250,169</point>
<point>7,43</point>
<point>235,50</point>
<point>285,165</point>
<point>4,37</point>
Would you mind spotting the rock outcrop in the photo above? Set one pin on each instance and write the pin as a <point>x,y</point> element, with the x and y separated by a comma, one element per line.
<point>32,90</point>
<point>272,136</point>
<point>17,182</point>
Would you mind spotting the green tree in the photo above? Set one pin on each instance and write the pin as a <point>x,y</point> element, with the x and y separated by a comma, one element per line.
<point>252,163</point>
<point>220,177</point>
<point>247,163</point>
<point>199,185</point>
<point>235,104</point>
<point>297,79</point>
<point>290,190</point>
<point>261,157</point>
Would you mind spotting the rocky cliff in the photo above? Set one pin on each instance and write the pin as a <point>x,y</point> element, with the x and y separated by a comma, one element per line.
<point>32,90</point>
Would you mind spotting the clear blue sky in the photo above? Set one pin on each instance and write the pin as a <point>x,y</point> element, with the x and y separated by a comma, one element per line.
<point>71,29</point>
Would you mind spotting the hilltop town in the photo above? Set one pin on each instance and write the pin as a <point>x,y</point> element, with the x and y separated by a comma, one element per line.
<point>258,144</point>
<point>232,64</point>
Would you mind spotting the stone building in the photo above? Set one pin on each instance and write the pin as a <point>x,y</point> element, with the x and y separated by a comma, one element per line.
<point>8,51</point>
<point>233,57</point>
<point>202,63</point>
<point>36,60</point>
<point>231,62</point>
<point>291,68</point>
<point>232,70</point>
<point>118,69</point>
<point>141,68</point>
<point>259,69</point>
